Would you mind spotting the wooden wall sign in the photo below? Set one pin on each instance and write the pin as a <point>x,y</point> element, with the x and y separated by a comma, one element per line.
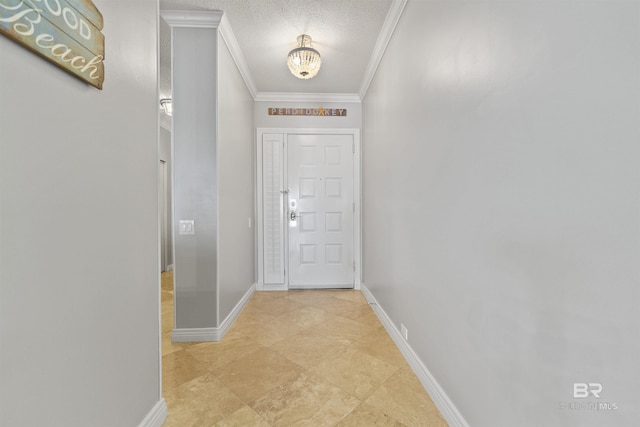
<point>65,32</point>
<point>325,112</point>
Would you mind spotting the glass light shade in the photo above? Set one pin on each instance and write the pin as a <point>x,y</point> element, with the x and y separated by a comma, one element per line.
<point>167,106</point>
<point>304,61</point>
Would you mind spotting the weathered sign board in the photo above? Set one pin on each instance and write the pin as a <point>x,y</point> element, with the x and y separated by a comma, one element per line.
<point>326,112</point>
<point>65,32</point>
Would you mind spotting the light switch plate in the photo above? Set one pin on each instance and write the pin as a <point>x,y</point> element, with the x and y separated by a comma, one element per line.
<point>187,226</point>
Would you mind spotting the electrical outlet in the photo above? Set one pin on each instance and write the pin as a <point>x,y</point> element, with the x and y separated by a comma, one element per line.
<point>404,332</point>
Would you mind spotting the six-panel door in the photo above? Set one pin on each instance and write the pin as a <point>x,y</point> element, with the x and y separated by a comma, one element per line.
<point>320,211</point>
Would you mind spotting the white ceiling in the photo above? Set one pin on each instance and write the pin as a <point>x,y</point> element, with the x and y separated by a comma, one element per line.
<point>345,33</point>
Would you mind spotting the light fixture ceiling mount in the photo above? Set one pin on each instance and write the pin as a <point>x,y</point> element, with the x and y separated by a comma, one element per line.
<point>304,61</point>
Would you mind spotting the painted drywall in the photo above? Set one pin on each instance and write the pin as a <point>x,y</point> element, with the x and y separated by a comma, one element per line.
<point>79,267</point>
<point>236,246</point>
<point>165,156</point>
<point>353,119</point>
<point>501,210</point>
<point>195,176</point>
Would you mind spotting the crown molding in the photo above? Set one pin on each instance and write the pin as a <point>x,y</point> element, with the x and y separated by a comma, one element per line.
<point>192,18</point>
<point>307,97</point>
<point>236,53</point>
<point>388,28</point>
<point>216,19</point>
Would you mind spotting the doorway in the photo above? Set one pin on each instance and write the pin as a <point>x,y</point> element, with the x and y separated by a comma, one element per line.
<point>308,209</point>
<point>164,227</point>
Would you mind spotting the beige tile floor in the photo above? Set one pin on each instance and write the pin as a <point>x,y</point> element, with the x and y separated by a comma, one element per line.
<point>297,358</point>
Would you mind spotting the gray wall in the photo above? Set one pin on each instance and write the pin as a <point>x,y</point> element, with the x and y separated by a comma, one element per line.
<point>353,120</point>
<point>501,179</point>
<point>195,175</point>
<point>214,179</point>
<point>236,185</point>
<point>79,275</point>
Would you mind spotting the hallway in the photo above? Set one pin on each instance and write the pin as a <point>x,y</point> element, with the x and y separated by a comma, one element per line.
<point>497,199</point>
<point>316,358</point>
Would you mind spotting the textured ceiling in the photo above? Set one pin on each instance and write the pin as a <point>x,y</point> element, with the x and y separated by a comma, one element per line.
<point>343,31</point>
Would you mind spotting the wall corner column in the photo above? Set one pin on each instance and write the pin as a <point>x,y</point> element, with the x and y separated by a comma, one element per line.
<point>194,37</point>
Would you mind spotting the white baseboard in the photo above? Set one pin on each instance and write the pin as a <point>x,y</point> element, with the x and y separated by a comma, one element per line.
<point>156,416</point>
<point>213,334</point>
<point>228,321</point>
<point>448,410</point>
<point>195,334</point>
<point>268,288</point>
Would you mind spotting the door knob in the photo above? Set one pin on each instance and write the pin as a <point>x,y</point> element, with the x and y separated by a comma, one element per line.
<point>293,215</point>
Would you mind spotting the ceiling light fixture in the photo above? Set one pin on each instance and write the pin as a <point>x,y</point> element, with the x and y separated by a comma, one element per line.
<point>304,61</point>
<point>167,106</point>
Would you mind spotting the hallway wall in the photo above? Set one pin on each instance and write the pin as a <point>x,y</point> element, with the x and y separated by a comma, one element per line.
<point>195,175</point>
<point>501,209</point>
<point>79,265</point>
<point>236,183</point>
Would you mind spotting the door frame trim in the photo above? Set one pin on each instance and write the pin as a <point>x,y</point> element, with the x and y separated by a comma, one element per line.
<point>357,191</point>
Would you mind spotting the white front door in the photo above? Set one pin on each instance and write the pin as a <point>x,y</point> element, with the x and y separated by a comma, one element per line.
<point>320,212</point>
